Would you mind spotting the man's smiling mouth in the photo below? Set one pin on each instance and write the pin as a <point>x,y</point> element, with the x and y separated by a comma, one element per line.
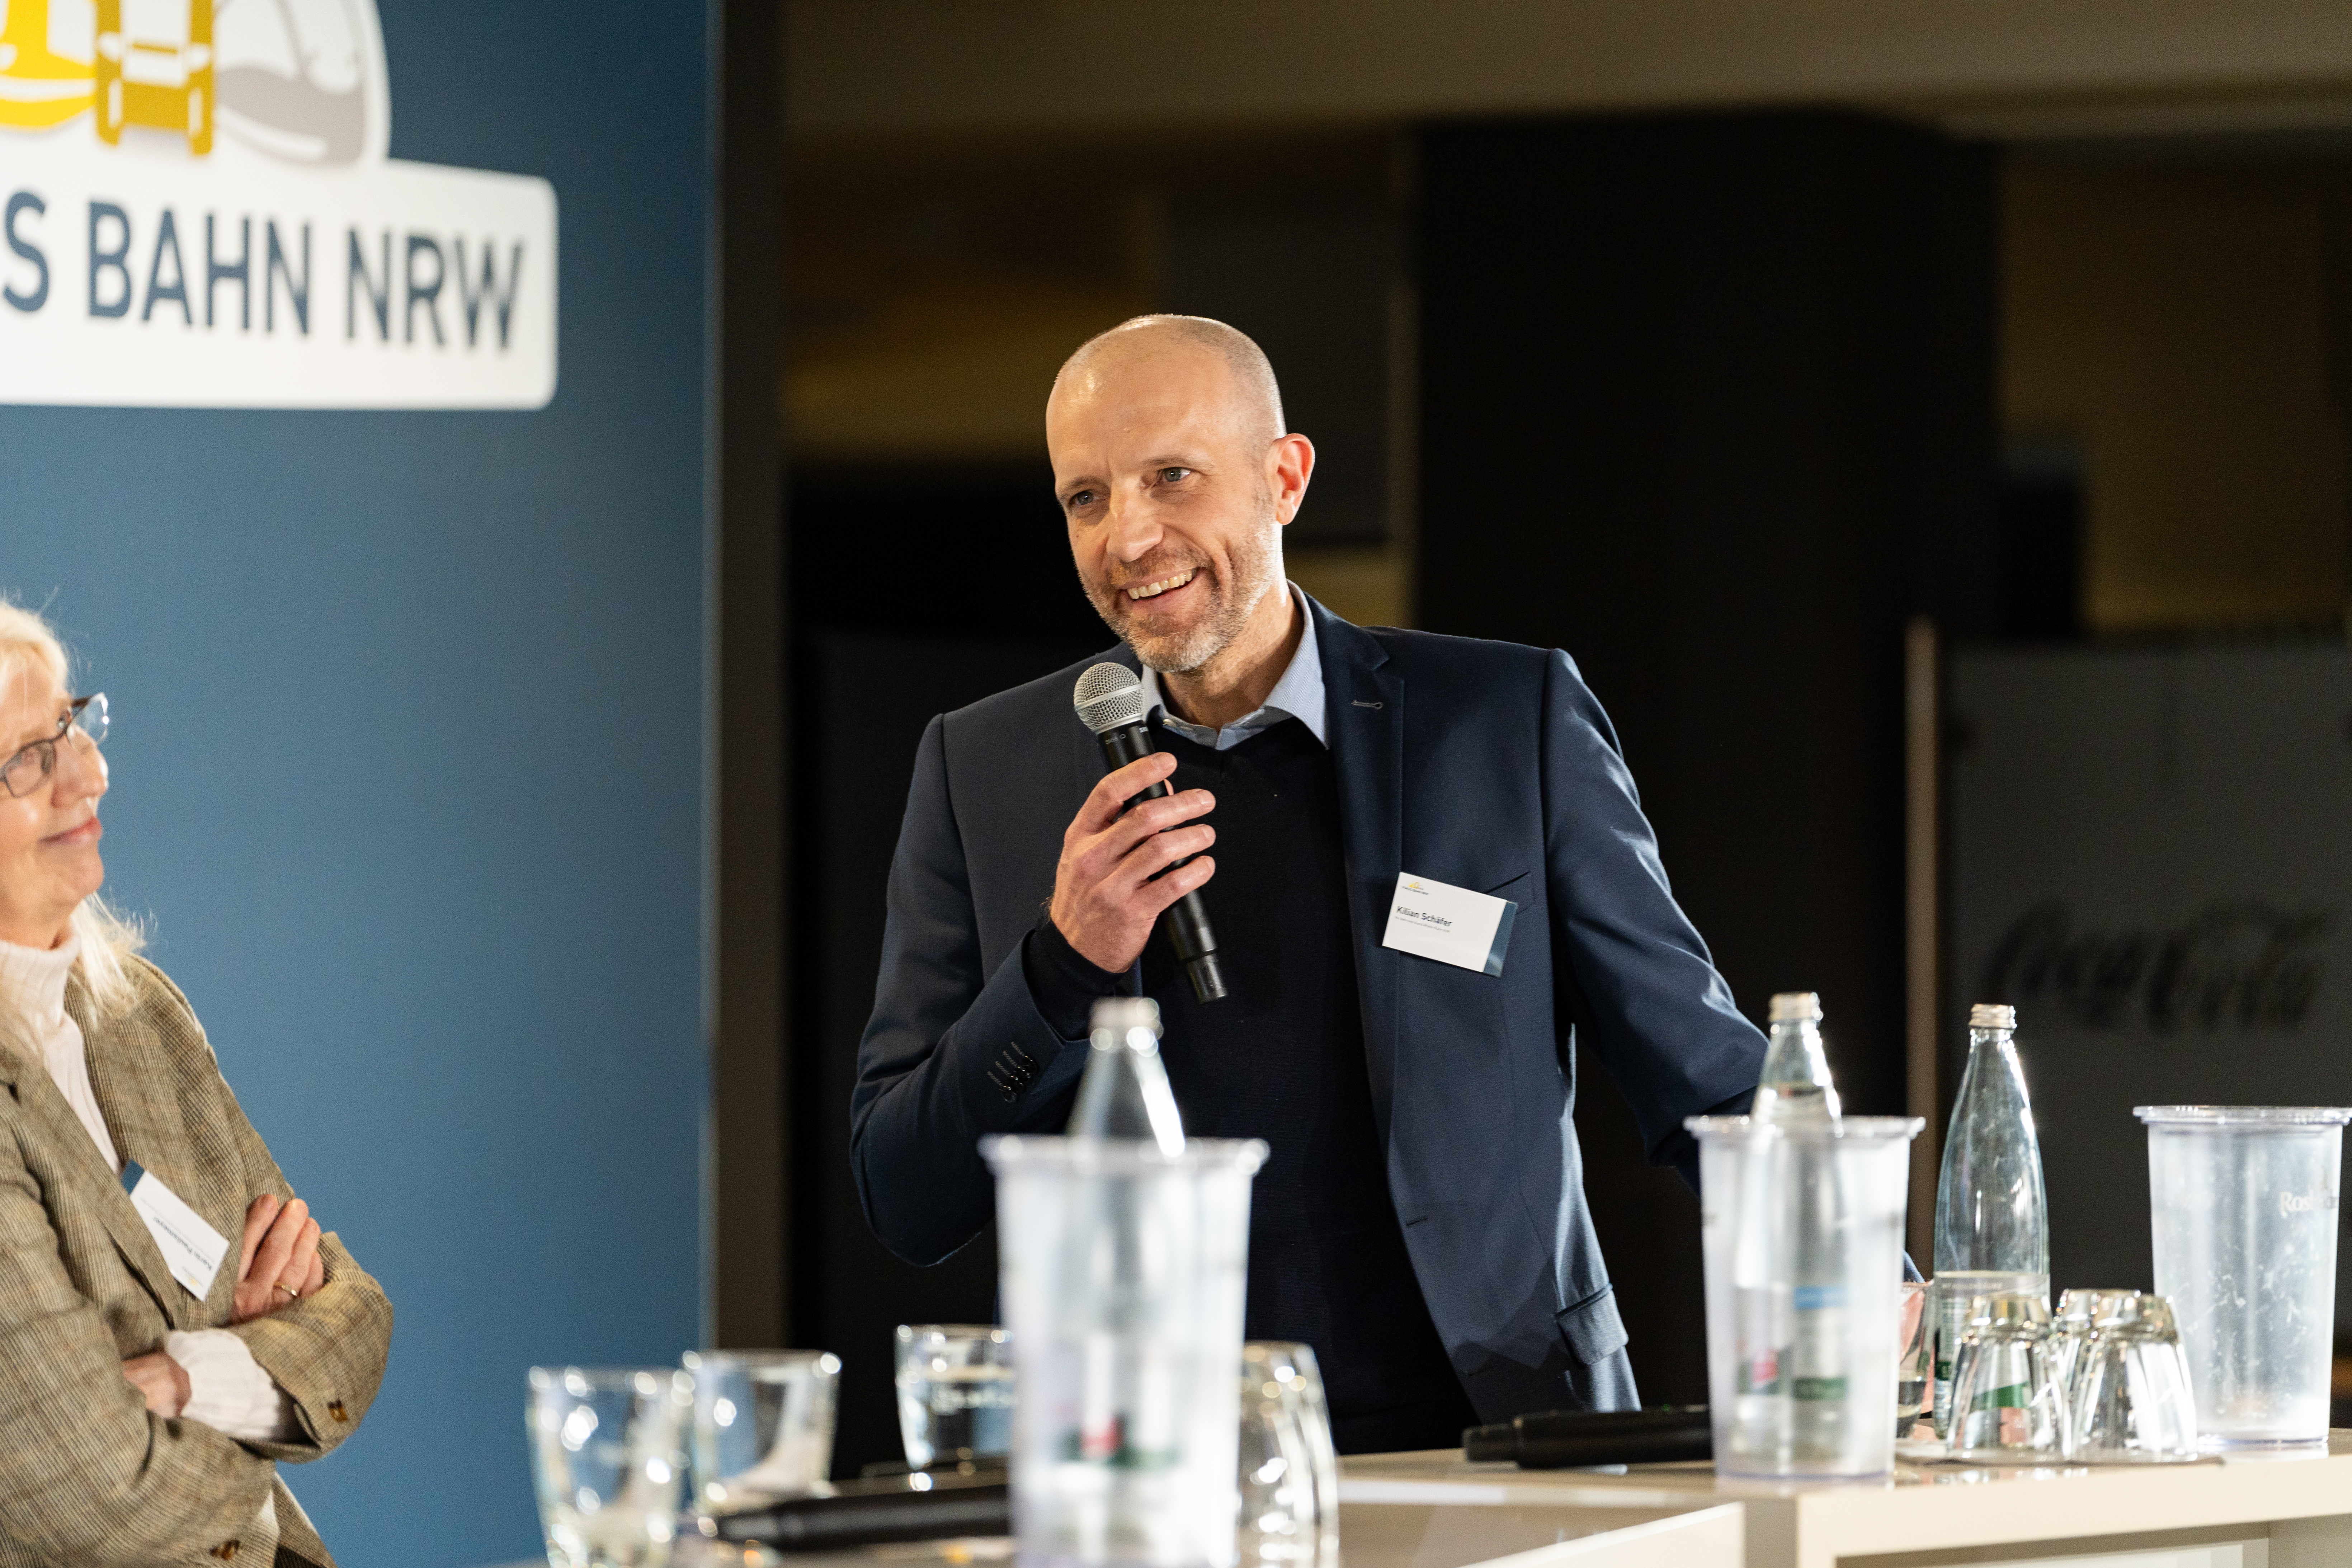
<point>1154,590</point>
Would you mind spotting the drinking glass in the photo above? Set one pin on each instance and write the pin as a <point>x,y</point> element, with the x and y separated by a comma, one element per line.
<point>608,1456</point>
<point>2243,1213</point>
<point>1913,1329</point>
<point>1802,1228</point>
<point>1289,1470</point>
<point>2132,1403</point>
<point>2077,1311</point>
<point>2007,1407</point>
<point>1124,1272</point>
<point>762,1425</point>
<point>955,1393</point>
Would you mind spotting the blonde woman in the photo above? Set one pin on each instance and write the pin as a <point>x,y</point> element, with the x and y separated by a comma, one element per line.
<point>173,1324</point>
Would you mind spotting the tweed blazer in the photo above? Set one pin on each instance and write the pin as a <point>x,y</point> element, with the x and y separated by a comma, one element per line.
<point>88,1475</point>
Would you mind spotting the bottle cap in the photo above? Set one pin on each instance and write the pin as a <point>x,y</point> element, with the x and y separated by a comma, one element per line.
<point>1796,1006</point>
<point>1992,1015</point>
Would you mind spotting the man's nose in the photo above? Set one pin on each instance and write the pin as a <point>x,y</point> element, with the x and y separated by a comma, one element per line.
<point>1134,529</point>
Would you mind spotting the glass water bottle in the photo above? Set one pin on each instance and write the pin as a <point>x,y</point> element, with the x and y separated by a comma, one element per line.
<point>1790,1260</point>
<point>1993,1214</point>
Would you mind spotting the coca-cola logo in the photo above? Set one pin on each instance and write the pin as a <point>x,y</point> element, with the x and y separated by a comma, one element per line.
<point>2243,964</point>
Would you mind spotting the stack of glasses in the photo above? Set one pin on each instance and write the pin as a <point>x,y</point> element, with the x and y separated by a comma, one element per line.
<point>2106,1383</point>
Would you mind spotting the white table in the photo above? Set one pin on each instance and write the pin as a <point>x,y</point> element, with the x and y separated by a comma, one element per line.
<point>1434,1511</point>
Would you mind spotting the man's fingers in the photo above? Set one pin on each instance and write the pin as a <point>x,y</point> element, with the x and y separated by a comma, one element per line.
<point>257,1216</point>
<point>1117,788</point>
<point>1157,896</point>
<point>1158,853</point>
<point>1153,817</point>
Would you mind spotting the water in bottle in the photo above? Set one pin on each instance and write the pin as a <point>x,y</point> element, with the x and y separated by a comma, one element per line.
<point>1993,1214</point>
<point>1790,1272</point>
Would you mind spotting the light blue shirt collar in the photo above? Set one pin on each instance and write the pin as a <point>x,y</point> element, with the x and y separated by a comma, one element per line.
<point>1297,695</point>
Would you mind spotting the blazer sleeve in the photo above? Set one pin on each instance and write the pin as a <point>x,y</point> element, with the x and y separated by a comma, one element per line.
<point>327,1350</point>
<point>87,1474</point>
<point>954,1051</point>
<point>1634,978</point>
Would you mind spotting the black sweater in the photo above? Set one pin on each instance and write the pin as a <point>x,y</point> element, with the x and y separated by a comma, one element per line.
<point>1282,1058</point>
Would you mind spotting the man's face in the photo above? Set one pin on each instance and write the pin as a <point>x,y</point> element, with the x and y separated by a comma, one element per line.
<point>1163,483</point>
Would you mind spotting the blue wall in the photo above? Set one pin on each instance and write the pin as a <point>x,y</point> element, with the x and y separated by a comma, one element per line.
<point>408,772</point>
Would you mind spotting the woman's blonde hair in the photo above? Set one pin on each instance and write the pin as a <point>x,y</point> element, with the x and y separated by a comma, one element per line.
<point>106,938</point>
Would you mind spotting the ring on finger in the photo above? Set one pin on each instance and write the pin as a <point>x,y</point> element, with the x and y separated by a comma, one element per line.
<point>291,1293</point>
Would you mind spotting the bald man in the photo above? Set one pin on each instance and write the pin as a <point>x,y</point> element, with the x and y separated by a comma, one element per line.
<point>1420,1220</point>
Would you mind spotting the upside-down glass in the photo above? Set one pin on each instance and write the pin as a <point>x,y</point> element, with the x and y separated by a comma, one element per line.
<point>2077,1309</point>
<point>763,1425</point>
<point>608,1452</point>
<point>955,1393</point>
<point>2006,1404</point>
<point>1289,1469</point>
<point>2242,1212</point>
<point>1803,1230</point>
<point>2131,1399</point>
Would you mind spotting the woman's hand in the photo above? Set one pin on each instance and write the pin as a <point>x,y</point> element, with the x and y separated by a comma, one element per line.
<point>280,1260</point>
<point>161,1381</point>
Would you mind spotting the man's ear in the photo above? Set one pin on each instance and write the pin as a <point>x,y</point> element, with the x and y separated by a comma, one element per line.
<point>1289,464</point>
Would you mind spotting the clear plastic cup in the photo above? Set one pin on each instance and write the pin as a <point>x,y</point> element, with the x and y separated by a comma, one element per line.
<point>1122,1273</point>
<point>2242,1202</point>
<point>1803,1230</point>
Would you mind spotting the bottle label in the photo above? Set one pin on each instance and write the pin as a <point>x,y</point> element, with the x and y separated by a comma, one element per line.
<point>1818,1371</point>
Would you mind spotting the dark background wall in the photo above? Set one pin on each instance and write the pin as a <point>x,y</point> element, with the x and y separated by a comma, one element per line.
<point>408,775</point>
<point>1707,401</point>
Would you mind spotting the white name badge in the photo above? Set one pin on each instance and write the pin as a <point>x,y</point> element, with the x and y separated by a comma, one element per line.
<point>191,1248</point>
<point>1452,925</point>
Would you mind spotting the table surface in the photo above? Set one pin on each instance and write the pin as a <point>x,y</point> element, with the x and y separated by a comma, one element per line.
<point>1434,1510</point>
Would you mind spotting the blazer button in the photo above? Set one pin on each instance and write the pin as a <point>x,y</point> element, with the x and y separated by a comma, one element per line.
<point>225,1551</point>
<point>336,1410</point>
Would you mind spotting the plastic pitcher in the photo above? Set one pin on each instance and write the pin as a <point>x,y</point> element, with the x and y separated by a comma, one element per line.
<point>1802,1229</point>
<point>1123,1271</point>
<point>2241,1207</point>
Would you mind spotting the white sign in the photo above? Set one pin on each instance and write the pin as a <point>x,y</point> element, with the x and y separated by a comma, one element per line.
<point>1453,926</point>
<point>196,211</point>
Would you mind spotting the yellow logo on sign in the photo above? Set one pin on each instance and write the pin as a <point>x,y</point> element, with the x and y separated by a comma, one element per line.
<point>38,86</point>
<point>155,69</point>
<point>297,82</point>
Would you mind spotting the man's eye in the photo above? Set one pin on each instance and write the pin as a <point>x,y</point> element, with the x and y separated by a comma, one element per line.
<point>1079,500</point>
<point>1171,476</point>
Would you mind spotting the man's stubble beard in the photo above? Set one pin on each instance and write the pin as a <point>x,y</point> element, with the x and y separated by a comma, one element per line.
<point>1253,558</point>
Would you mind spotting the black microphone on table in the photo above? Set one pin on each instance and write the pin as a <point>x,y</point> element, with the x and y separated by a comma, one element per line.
<point>1109,700</point>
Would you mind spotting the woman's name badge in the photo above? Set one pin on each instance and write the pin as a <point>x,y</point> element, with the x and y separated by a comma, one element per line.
<point>1452,925</point>
<point>192,1249</point>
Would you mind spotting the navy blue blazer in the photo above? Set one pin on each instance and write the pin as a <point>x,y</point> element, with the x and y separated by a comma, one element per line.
<point>1484,765</point>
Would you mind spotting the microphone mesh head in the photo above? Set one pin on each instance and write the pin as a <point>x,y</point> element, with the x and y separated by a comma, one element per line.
<point>1109,696</point>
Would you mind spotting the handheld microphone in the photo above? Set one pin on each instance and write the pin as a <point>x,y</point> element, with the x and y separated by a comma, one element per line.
<point>1109,700</point>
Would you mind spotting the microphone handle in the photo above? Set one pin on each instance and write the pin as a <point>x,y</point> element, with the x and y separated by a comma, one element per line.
<point>1187,919</point>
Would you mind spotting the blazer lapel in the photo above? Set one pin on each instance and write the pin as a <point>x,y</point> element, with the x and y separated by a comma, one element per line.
<point>1364,718</point>
<point>92,1185</point>
<point>145,1124</point>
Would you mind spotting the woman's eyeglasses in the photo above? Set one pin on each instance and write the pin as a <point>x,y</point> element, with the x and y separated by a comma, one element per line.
<point>84,719</point>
